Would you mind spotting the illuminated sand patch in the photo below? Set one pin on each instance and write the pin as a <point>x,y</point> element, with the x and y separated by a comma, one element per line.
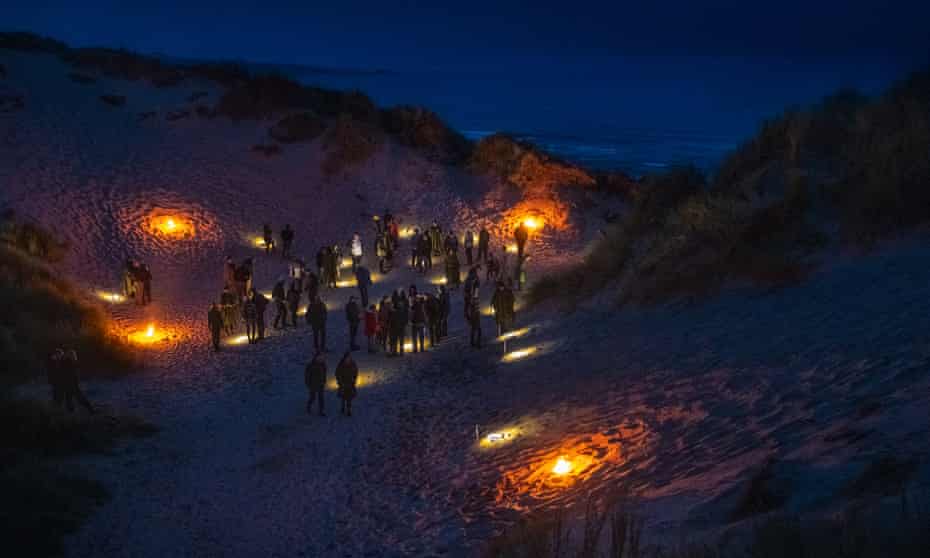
<point>172,226</point>
<point>152,334</point>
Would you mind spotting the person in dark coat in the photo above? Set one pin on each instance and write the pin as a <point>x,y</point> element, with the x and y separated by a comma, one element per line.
<point>330,266</point>
<point>293,302</point>
<point>431,304</point>
<point>315,380</point>
<point>452,270</point>
<point>472,284</point>
<point>469,244</point>
<point>415,249</point>
<point>384,323</point>
<point>316,317</point>
<point>521,234</point>
<point>353,316</point>
<point>250,315</point>
<point>215,322</point>
<point>261,304</point>
<point>229,305</point>
<point>268,238</point>
<point>473,315</point>
<point>503,304</point>
<point>321,263</point>
<point>484,242</point>
<point>425,252</point>
<point>451,244</point>
<point>311,284</point>
<point>280,303</point>
<point>445,310</point>
<point>71,388</point>
<point>399,322</point>
<point>145,274</point>
<point>363,279</point>
<point>435,239</point>
<point>418,324</point>
<point>287,240</point>
<point>347,380</point>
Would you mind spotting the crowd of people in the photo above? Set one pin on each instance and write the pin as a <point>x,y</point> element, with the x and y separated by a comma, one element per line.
<point>406,320</point>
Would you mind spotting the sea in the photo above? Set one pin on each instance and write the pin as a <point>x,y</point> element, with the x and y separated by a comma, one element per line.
<point>639,115</point>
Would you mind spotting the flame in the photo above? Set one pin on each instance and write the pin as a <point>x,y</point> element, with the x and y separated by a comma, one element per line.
<point>172,225</point>
<point>150,331</point>
<point>562,467</point>
<point>512,248</point>
<point>531,223</point>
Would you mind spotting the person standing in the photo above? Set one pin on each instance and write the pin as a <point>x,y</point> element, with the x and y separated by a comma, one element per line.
<point>71,387</point>
<point>261,304</point>
<point>418,324</point>
<point>521,234</point>
<point>355,249</point>
<point>353,316</point>
<point>473,315</point>
<point>293,302</point>
<point>484,241</point>
<point>287,240</point>
<point>371,328</point>
<point>229,304</point>
<point>316,317</point>
<point>250,315</point>
<point>146,276</point>
<point>435,239</point>
<point>215,323</point>
<point>431,303</point>
<point>229,271</point>
<point>280,303</point>
<point>268,238</point>
<point>315,380</point>
<point>469,246</point>
<point>363,280</point>
<point>311,284</point>
<point>384,322</point>
<point>347,380</point>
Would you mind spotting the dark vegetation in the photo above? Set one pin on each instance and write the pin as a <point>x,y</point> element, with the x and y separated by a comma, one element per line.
<point>850,164</point>
<point>43,498</point>
<point>114,100</point>
<point>303,126</point>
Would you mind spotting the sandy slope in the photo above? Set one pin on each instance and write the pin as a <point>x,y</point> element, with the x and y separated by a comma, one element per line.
<point>684,402</point>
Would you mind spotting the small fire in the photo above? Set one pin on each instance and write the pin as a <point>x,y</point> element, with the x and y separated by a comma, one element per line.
<point>512,248</point>
<point>562,467</point>
<point>150,331</point>
<point>531,223</point>
<point>170,224</point>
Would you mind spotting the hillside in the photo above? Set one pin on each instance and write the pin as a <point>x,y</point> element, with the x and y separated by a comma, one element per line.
<point>708,413</point>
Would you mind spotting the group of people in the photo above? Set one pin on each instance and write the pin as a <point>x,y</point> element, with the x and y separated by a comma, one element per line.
<point>387,323</point>
<point>137,282</point>
<point>287,240</point>
<point>62,370</point>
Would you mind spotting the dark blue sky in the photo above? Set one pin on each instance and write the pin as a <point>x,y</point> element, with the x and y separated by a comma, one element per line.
<point>477,33</point>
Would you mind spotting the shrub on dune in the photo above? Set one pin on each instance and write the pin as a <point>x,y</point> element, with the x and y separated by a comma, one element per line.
<point>348,143</point>
<point>303,126</point>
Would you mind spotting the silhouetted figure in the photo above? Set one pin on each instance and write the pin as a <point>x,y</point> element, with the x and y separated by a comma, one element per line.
<point>280,303</point>
<point>215,323</point>
<point>363,279</point>
<point>261,304</point>
<point>521,234</point>
<point>287,240</point>
<point>71,389</point>
<point>268,238</point>
<point>484,241</point>
<point>353,316</point>
<point>316,317</point>
<point>315,380</point>
<point>347,380</point>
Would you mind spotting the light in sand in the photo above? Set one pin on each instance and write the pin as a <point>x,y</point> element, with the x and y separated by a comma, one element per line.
<point>438,280</point>
<point>517,355</point>
<point>147,336</point>
<point>238,340</point>
<point>514,334</point>
<point>562,467</point>
<point>512,248</point>
<point>346,262</point>
<point>172,225</point>
<point>405,232</point>
<point>115,298</point>
<point>258,241</point>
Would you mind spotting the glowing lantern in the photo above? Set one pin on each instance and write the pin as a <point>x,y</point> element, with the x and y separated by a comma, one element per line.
<point>517,355</point>
<point>562,467</point>
<point>514,334</point>
<point>408,346</point>
<point>346,283</point>
<point>406,232</point>
<point>259,241</point>
<point>114,298</point>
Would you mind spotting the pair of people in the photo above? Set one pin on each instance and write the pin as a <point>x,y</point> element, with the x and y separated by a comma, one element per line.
<point>346,382</point>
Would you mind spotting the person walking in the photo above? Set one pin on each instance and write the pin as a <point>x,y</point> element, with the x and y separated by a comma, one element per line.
<point>316,317</point>
<point>371,328</point>
<point>315,380</point>
<point>484,242</point>
<point>418,324</point>
<point>71,388</point>
<point>347,382</point>
<point>311,284</point>
<point>355,249</point>
<point>268,238</point>
<point>293,302</point>
<point>215,323</point>
<point>363,280</point>
<point>415,248</point>
<point>353,316</point>
<point>280,303</point>
<point>229,303</point>
<point>287,241</point>
<point>250,315</point>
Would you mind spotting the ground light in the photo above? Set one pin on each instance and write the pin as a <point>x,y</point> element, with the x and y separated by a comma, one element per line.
<point>562,467</point>
<point>147,336</point>
<point>346,262</point>
<point>438,280</point>
<point>259,242</point>
<point>406,232</point>
<point>514,334</point>
<point>512,248</point>
<point>238,340</point>
<point>114,298</point>
<point>519,354</point>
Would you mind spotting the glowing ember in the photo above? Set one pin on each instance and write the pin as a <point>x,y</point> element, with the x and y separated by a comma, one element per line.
<point>514,334</point>
<point>531,223</point>
<point>170,225</point>
<point>562,467</point>
<point>115,298</point>
<point>517,355</point>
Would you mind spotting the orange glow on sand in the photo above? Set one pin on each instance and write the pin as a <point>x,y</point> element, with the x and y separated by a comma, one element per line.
<point>150,335</point>
<point>532,223</point>
<point>171,225</point>
<point>562,467</point>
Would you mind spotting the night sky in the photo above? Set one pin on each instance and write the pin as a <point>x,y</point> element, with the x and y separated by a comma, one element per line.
<point>399,34</point>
